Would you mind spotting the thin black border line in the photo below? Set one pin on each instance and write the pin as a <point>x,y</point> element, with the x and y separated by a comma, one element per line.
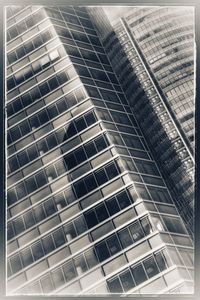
<point>196,5</point>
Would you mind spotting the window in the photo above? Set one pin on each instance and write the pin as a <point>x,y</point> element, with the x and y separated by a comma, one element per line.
<point>91,218</point>
<point>123,200</point>
<point>26,256</point>
<point>49,207</point>
<point>101,212</point>
<point>127,280</point>
<point>150,267</point>
<point>113,245</point>
<point>91,258</point>
<point>47,285</point>
<point>80,225</point>
<point>39,213</point>
<point>146,225</point>
<point>102,251</point>
<point>58,278</point>
<point>15,263</point>
<point>29,219</point>
<point>114,286</point>
<point>112,206</point>
<point>174,225</point>
<point>80,264</point>
<point>37,250</point>
<point>80,188</point>
<point>69,271</point>
<point>125,238</point>
<point>101,176</point>
<point>138,274</point>
<point>160,259</point>
<point>59,237</point>
<point>18,225</point>
<point>48,244</point>
<point>136,231</point>
<point>111,171</point>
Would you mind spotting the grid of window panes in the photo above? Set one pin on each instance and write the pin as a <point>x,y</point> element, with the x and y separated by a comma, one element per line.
<point>170,32</point>
<point>74,152</point>
<point>154,119</point>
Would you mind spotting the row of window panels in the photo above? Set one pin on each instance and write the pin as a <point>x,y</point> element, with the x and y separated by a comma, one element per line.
<point>14,11</point>
<point>170,73</point>
<point>28,98</point>
<point>26,24</point>
<point>161,31</point>
<point>31,153</point>
<point>85,152</point>
<point>67,162</point>
<point>150,55</point>
<point>79,33</point>
<point>183,66</point>
<point>17,105</point>
<point>34,68</point>
<point>149,51</point>
<point>166,44</point>
<point>87,60</point>
<point>77,125</point>
<point>46,87</point>
<point>69,17</point>
<point>50,112</point>
<point>107,95</point>
<point>45,62</point>
<point>139,273</point>
<point>157,194</point>
<point>73,21</point>
<point>186,86</point>
<point>180,67</point>
<point>81,187</point>
<point>60,135</point>
<point>78,49</point>
<point>65,198</point>
<point>156,37</point>
<point>45,115</point>
<point>183,56</point>
<point>59,201</point>
<point>177,69</point>
<point>30,46</point>
<point>109,247</point>
<point>125,281</point>
<point>183,86</point>
<point>177,37</point>
<point>42,89</point>
<point>151,16</point>
<point>89,259</point>
<point>81,224</point>
<point>78,226</point>
<point>153,60</point>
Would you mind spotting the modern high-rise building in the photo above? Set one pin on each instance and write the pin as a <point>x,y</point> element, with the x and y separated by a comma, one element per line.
<point>151,50</point>
<point>88,209</point>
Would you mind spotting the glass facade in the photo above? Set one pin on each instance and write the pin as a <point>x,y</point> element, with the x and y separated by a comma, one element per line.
<point>88,210</point>
<point>130,44</point>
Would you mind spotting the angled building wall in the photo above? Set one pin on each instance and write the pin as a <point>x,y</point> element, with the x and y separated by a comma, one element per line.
<point>88,209</point>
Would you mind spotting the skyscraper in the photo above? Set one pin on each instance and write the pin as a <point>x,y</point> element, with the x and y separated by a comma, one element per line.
<point>152,52</point>
<point>89,211</point>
